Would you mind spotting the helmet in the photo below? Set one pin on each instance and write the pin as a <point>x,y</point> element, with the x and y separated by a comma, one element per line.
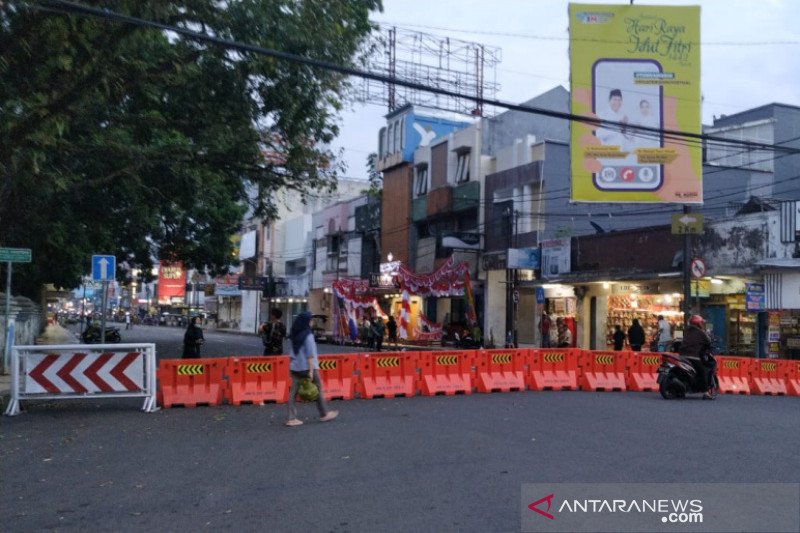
<point>697,320</point>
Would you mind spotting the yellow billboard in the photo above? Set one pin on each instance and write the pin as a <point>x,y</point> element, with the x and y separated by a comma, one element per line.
<point>635,72</point>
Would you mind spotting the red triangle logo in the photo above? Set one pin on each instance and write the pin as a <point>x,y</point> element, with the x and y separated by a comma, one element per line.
<point>546,514</point>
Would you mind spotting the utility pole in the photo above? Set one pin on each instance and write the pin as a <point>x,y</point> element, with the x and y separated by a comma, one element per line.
<point>687,286</point>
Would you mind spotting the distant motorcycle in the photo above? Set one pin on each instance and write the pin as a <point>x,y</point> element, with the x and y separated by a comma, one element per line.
<point>678,376</point>
<point>92,335</point>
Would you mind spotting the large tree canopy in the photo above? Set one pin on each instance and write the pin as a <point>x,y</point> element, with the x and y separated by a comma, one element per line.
<point>143,143</point>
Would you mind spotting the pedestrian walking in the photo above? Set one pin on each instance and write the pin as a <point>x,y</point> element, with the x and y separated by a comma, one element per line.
<point>192,340</point>
<point>304,364</point>
<point>636,336</point>
<point>273,333</point>
<point>128,321</point>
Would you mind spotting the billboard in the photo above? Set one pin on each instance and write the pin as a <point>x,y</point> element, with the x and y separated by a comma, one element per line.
<point>635,70</point>
<point>171,282</point>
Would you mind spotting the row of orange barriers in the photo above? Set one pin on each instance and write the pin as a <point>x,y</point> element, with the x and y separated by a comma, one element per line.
<point>257,380</point>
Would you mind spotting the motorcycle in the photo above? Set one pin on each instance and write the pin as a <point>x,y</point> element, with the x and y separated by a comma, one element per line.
<point>92,335</point>
<point>679,375</point>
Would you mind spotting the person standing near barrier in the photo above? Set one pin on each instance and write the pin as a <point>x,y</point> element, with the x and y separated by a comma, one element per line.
<point>273,333</point>
<point>619,338</point>
<point>544,328</point>
<point>304,364</point>
<point>664,333</point>
<point>391,327</point>
<point>378,330</point>
<point>636,335</point>
<point>192,340</point>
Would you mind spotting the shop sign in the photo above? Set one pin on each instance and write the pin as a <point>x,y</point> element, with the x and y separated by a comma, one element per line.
<point>494,261</point>
<point>556,257</point>
<point>793,343</point>
<point>701,288</point>
<point>633,288</point>
<point>526,258</point>
<point>754,297</point>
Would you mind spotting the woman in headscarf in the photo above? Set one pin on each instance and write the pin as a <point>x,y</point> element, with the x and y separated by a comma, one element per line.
<point>192,340</point>
<point>304,364</point>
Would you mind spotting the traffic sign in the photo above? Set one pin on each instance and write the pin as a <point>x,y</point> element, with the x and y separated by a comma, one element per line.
<point>683,223</point>
<point>698,268</point>
<point>103,267</point>
<point>15,255</point>
<point>515,296</point>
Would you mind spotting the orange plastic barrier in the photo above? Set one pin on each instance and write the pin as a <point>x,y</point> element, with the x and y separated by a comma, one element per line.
<point>553,369</point>
<point>258,380</point>
<point>769,376</point>
<point>338,375</point>
<point>602,370</point>
<point>191,382</point>
<point>734,374</point>
<point>387,374</point>
<point>793,378</point>
<point>446,372</point>
<point>500,370</point>
<point>642,371</point>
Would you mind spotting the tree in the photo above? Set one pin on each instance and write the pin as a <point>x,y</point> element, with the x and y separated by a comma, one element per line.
<point>148,145</point>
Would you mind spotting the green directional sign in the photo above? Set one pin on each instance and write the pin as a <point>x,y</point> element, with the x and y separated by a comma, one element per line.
<point>683,223</point>
<point>15,255</point>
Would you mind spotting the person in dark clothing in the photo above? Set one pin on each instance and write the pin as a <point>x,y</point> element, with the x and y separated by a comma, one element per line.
<point>192,340</point>
<point>619,338</point>
<point>391,327</point>
<point>636,335</point>
<point>378,329</point>
<point>273,333</point>
<point>696,344</point>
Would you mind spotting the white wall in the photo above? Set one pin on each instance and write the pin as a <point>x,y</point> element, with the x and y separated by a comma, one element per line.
<point>495,303</point>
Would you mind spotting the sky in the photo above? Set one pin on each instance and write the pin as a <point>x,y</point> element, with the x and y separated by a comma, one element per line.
<point>750,54</point>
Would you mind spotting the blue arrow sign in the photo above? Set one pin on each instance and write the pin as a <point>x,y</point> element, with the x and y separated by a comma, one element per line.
<point>103,267</point>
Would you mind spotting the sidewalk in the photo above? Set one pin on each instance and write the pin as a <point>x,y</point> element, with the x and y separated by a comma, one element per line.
<point>53,334</point>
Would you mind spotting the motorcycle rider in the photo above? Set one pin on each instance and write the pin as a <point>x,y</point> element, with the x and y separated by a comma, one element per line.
<point>697,345</point>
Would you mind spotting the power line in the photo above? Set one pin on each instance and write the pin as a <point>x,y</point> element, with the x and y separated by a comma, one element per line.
<point>69,7</point>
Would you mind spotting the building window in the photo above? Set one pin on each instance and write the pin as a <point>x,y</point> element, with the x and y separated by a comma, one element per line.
<point>421,180</point>
<point>734,155</point>
<point>462,167</point>
<point>396,144</point>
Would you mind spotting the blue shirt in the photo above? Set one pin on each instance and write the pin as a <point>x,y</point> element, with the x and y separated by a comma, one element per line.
<point>298,362</point>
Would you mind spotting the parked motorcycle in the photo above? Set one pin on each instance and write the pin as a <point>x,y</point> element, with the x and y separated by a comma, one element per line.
<point>92,335</point>
<point>679,375</point>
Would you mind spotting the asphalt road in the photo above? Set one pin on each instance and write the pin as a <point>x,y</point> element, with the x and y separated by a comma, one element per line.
<point>169,341</point>
<point>405,464</point>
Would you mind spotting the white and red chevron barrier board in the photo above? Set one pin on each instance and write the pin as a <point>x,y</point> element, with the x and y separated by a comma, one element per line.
<point>84,373</point>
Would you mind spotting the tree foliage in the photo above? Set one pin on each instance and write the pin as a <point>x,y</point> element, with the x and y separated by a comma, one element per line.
<point>148,145</point>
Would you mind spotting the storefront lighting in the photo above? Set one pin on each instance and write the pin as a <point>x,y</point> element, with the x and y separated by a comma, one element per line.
<point>668,298</point>
<point>390,257</point>
<point>326,290</point>
<point>716,281</point>
<point>606,285</point>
